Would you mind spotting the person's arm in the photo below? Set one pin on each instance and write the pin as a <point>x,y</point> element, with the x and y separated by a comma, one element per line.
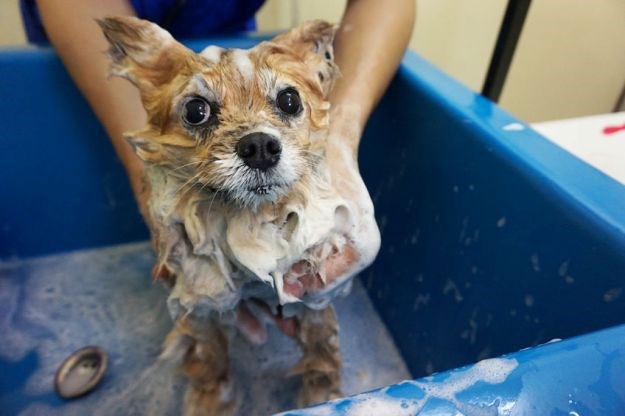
<point>369,44</point>
<point>78,40</point>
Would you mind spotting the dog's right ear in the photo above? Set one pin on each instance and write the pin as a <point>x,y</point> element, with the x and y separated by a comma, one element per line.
<point>313,42</point>
<point>142,52</point>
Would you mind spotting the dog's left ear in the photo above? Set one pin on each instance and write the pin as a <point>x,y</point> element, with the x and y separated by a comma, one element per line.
<point>142,52</point>
<point>312,41</point>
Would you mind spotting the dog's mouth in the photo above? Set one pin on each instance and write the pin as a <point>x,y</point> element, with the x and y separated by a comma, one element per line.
<point>253,187</point>
<point>253,194</point>
<point>262,189</point>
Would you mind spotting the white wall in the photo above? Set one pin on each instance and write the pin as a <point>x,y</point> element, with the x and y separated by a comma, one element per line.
<point>458,36</point>
<point>11,31</point>
<point>282,14</point>
<point>570,60</point>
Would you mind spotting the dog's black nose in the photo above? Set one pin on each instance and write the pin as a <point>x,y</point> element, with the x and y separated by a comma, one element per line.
<point>259,150</point>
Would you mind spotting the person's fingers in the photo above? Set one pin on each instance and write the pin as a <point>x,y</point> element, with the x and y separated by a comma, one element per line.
<point>295,286</point>
<point>300,280</point>
<point>338,264</point>
<point>250,326</point>
<point>287,325</point>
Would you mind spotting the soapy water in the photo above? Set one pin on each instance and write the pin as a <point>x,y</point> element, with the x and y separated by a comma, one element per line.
<point>431,394</point>
<point>54,305</point>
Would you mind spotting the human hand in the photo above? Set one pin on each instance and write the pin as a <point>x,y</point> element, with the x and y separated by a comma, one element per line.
<point>362,244</point>
<point>368,47</point>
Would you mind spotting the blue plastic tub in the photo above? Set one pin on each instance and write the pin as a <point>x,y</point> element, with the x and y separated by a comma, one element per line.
<point>494,241</point>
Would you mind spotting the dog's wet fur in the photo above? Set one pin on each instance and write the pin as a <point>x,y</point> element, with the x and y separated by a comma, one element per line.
<point>234,151</point>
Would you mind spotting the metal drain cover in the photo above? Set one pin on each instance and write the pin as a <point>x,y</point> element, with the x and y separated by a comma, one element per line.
<point>81,372</point>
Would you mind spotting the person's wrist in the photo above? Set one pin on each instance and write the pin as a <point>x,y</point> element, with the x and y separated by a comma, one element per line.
<point>346,125</point>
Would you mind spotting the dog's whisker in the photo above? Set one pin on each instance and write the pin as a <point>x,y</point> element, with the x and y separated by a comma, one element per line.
<point>204,180</point>
<point>210,206</point>
<point>187,165</point>
<point>308,152</point>
<point>188,182</point>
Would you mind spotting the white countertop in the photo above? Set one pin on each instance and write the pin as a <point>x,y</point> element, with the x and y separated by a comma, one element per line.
<point>598,140</point>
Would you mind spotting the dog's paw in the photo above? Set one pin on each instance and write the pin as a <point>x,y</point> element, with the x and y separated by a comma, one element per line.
<point>319,387</point>
<point>220,401</point>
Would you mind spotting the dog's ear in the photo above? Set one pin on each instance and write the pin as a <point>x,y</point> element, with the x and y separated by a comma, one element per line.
<point>153,146</point>
<point>142,52</point>
<point>146,149</point>
<point>312,41</point>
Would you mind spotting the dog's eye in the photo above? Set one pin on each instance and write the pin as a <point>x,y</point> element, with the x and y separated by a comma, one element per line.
<point>288,101</point>
<point>196,111</point>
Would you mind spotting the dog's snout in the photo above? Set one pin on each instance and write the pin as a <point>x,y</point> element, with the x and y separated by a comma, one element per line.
<point>259,150</point>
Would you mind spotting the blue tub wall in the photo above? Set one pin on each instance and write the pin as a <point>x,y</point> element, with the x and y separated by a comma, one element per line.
<point>493,239</point>
<point>578,376</point>
<point>452,286</point>
<point>62,188</point>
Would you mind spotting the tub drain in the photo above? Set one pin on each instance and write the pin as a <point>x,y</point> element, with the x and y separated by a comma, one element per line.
<point>81,372</point>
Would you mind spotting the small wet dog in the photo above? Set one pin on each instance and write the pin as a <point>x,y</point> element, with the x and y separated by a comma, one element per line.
<point>248,226</point>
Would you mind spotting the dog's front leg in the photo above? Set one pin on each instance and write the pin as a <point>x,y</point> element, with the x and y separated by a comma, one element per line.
<point>320,366</point>
<point>203,350</point>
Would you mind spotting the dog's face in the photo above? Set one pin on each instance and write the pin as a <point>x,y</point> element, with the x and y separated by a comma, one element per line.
<point>246,124</point>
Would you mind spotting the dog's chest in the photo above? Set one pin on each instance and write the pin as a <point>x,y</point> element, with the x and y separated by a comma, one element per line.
<point>221,255</point>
